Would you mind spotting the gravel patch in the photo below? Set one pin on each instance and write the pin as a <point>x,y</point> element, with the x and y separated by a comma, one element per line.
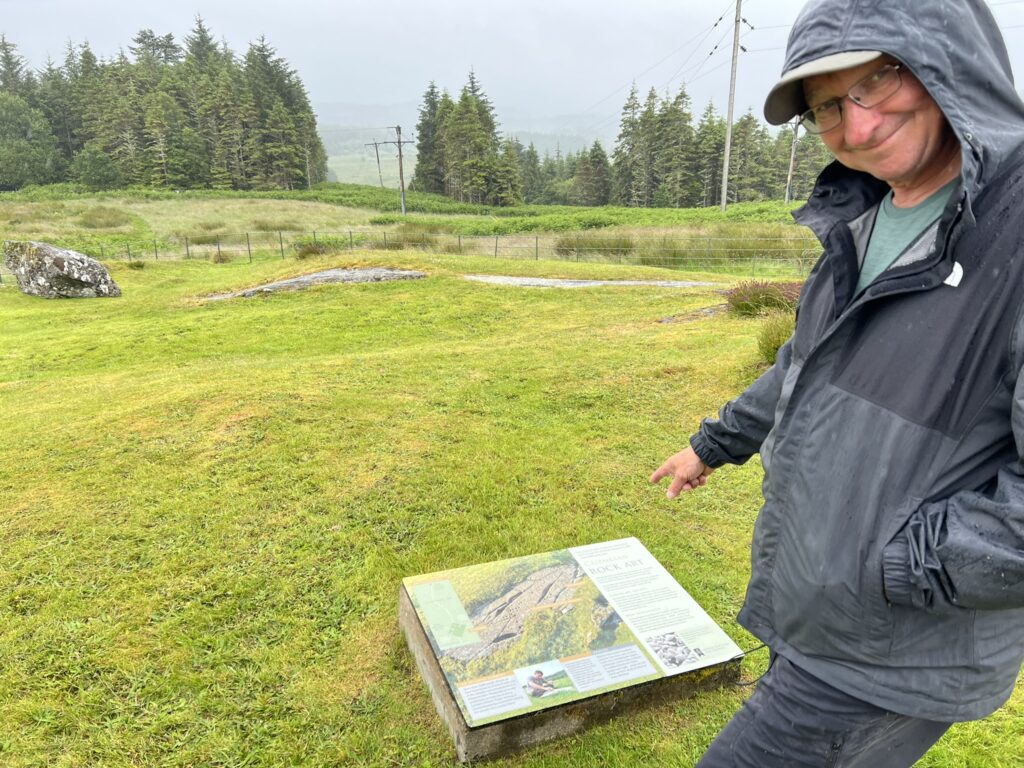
<point>552,282</point>
<point>368,275</point>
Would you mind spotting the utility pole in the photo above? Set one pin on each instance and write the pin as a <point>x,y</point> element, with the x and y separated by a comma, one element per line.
<point>377,152</point>
<point>401,171</point>
<point>732,101</point>
<point>792,160</point>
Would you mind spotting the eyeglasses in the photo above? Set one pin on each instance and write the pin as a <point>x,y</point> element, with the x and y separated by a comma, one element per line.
<point>867,93</point>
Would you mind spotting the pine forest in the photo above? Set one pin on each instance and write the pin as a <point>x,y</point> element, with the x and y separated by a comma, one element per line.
<point>660,158</point>
<point>179,116</point>
<point>195,115</point>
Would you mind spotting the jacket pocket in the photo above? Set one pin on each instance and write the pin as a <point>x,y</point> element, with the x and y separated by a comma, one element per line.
<point>827,596</point>
<point>926,638</point>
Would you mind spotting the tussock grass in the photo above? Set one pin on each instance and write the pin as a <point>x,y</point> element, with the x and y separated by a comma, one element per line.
<point>206,509</point>
<point>776,328</point>
<point>276,225</point>
<point>104,217</point>
<point>757,297</point>
<point>595,246</point>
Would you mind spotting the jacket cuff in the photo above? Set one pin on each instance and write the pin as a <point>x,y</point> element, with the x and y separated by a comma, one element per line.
<point>899,589</point>
<point>704,451</point>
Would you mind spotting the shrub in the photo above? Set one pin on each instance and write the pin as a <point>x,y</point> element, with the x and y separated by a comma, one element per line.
<point>209,226</point>
<point>103,217</point>
<point>756,297</point>
<point>776,329</point>
<point>96,170</point>
<point>136,264</point>
<point>220,257</point>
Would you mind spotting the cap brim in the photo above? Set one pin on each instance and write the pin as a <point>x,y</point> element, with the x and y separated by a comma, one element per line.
<point>786,99</point>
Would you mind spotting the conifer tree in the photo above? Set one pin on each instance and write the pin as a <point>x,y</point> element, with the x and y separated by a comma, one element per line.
<point>601,175</point>
<point>530,173</point>
<point>56,101</point>
<point>626,152</point>
<point>15,78</point>
<point>676,184</point>
<point>429,174</point>
<point>710,147</point>
<point>506,185</point>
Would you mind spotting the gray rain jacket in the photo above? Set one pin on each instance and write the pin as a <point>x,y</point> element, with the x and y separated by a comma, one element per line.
<point>888,558</point>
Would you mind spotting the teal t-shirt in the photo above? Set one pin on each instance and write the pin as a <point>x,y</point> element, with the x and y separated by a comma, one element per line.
<point>896,228</point>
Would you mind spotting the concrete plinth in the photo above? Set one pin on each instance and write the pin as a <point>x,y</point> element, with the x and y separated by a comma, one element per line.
<point>504,737</point>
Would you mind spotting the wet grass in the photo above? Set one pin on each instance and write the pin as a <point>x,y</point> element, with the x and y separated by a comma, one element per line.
<point>206,509</point>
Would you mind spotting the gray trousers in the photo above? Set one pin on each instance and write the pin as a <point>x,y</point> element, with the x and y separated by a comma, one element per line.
<point>793,719</point>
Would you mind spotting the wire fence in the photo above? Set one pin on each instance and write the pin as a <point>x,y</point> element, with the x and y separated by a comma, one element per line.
<point>757,256</point>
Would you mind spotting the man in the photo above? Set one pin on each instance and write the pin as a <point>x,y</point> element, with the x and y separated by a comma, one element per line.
<point>539,685</point>
<point>888,559</point>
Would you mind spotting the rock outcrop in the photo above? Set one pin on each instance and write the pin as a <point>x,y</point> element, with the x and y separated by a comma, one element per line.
<point>45,270</point>
<point>502,620</point>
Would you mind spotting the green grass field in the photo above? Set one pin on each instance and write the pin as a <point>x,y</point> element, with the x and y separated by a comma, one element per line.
<point>206,508</point>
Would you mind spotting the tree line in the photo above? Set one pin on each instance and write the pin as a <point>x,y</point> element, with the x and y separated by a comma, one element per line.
<point>191,115</point>
<point>661,157</point>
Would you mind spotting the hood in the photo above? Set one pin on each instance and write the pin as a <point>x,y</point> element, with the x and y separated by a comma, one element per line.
<point>953,47</point>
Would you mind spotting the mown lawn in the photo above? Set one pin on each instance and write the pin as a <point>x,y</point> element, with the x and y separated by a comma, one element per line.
<point>206,509</point>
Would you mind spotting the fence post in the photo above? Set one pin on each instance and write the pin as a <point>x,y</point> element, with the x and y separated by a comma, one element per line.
<point>495,246</point>
<point>385,239</point>
<point>248,246</point>
<point>280,242</point>
<point>577,247</point>
<point>314,237</point>
<point>188,253</point>
<point>351,242</point>
<point>103,255</point>
<point>460,245</point>
<point>218,248</point>
<point>536,248</point>
<point>129,247</point>
<point>156,251</point>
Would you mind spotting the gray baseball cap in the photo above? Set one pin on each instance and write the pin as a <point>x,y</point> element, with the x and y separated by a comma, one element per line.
<point>786,99</point>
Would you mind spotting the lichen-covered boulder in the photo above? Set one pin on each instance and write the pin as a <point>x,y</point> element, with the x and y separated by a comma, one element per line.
<point>57,273</point>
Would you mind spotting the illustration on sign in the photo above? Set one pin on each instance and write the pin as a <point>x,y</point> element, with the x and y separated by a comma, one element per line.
<point>533,632</point>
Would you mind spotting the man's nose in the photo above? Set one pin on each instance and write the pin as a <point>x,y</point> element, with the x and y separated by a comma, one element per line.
<point>859,124</point>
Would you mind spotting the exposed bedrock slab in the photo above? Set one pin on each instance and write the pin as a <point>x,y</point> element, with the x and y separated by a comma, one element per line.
<point>555,282</point>
<point>365,275</point>
<point>45,270</point>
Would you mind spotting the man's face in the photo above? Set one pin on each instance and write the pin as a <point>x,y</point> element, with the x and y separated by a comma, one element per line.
<point>902,141</point>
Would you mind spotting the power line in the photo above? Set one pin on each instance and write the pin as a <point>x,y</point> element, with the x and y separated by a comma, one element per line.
<point>706,31</point>
<point>696,68</point>
<point>687,59</point>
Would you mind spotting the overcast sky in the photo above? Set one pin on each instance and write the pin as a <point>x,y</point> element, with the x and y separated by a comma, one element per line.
<point>552,65</point>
